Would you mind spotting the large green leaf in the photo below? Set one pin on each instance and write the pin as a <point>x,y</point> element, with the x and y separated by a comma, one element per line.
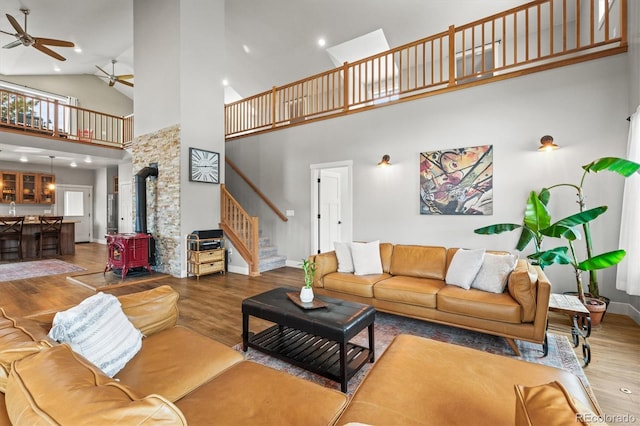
<point>602,261</point>
<point>613,164</point>
<point>549,257</point>
<point>582,217</point>
<point>525,237</point>
<point>558,230</point>
<point>536,215</point>
<point>544,196</point>
<point>498,228</point>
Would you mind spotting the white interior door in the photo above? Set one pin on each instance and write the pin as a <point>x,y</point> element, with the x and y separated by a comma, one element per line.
<point>74,202</point>
<point>331,205</point>
<point>330,220</point>
<point>125,208</point>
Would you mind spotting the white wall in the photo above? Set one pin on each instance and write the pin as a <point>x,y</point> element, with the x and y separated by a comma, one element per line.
<point>583,106</point>
<point>92,92</point>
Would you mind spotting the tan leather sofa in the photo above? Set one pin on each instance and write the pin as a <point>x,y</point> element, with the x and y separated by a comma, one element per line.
<point>181,377</point>
<point>413,284</point>
<point>178,377</point>
<point>419,381</point>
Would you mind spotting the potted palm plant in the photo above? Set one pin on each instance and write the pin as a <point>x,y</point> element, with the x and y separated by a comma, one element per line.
<point>537,225</point>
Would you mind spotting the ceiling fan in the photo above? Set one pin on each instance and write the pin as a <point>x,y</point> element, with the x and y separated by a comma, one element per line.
<point>113,78</point>
<point>39,43</point>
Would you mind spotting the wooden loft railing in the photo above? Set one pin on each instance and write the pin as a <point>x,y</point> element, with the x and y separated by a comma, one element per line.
<point>241,228</point>
<point>20,112</point>
<point>540,35</point>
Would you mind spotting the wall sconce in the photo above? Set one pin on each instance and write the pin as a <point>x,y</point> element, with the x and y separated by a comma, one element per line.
<point>546,144</point>
<point>385,161</point>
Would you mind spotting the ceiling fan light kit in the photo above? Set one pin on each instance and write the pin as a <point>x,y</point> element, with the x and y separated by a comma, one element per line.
<point>27,40</point>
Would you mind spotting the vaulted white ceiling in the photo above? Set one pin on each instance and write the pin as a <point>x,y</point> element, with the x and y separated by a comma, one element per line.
<point>268,42</point>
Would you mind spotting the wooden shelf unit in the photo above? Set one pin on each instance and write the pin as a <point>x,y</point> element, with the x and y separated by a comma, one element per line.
<point>203,260</point>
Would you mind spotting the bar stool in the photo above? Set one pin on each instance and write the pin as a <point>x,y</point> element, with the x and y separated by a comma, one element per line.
<point>11,230</point>
<point>49,236</point>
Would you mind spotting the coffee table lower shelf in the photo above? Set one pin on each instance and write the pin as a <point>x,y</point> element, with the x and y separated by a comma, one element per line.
<point>316,354</point>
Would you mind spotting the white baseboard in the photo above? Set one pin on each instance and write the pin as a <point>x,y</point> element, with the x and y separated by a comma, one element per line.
<point>243,270</point>
<point>624,309</point>
<point>293,263</point>
<point>100,241</point>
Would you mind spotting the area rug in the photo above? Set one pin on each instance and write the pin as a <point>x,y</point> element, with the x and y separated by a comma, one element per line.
<point>100,281</point>
<point>36,268</point>
<point>387,326</point>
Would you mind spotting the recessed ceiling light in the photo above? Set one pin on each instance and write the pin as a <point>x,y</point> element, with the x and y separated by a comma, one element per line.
<point>57,69</point>
<point>23,159</point>
<point>246,48</point>
<point>73,164</point>
<point>225,82</point>
<point>77,49</point>
<point>321,42</point>
<point>87,160</point>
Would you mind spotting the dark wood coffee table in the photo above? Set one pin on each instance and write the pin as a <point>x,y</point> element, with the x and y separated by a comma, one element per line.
<point>314,339</point>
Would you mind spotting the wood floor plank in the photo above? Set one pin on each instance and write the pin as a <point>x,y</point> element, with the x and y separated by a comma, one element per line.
<point>212,306</point>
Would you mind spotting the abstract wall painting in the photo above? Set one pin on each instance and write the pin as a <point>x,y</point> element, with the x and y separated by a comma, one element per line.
<point>457,181</point>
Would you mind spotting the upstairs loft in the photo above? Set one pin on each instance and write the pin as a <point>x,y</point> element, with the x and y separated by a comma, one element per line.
<point>534,37</point>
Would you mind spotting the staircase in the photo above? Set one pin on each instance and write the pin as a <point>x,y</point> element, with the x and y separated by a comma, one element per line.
<point>268,256</point>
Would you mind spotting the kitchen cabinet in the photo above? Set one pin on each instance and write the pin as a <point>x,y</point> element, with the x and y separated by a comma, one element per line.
<point>27,188</point>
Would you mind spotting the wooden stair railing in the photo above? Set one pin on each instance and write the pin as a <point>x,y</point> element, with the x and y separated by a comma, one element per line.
<point>256,190</point>
<point>241,229</point>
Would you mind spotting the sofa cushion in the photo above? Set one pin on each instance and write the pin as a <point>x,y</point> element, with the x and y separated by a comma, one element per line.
<point>345,259</point>
<point>386,251</point>
<point>479,304</point>
<point>153,310</point>
<point>15,343</point>
<point>551,404</point>
<point>98,329</point>
<point>175,362</point>
<point>494,272</point>
<point>4,416</point>
<point>357,285</point>
<point>411,290</point>
<point>366,258</point>
<point>418,261</point>
<point>523,287</point>
<point>419,381</point>
<point>464,267</point>
<point>58,386</point>
<point>253,394</point>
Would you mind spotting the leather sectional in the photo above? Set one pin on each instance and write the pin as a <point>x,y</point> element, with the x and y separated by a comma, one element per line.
<point>181,377</point>
<point>412,283</point>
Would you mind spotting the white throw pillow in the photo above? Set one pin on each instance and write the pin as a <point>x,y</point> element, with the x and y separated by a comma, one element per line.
<point>343,253</point>
<point>99,330</point>
<point>464,267</point>
<point>366,258</point>
<point>494,273</point>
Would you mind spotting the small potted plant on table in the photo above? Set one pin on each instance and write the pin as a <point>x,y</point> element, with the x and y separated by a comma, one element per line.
<point>309,268</point>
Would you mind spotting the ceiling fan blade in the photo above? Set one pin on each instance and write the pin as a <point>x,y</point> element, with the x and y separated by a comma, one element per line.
<point>103,71</point>
<point>12,44</point>
<point>126,83</point>
<point>53,42</point>
<point>124,77</point>
<point>49,52</point>
<point>16,26</point>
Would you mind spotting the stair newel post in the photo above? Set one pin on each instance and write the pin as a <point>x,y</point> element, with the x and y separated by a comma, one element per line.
<point>255,237</point>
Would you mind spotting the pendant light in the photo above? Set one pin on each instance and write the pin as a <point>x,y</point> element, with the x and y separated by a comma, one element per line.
<point>52,185</point>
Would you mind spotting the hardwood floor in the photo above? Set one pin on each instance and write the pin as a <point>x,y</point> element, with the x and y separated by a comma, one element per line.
<point>211,306</point>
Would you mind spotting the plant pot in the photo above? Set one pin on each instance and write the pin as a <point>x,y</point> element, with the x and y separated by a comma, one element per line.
<point>604,299</point>
<point>596,308</point>
<point>306,294</point>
